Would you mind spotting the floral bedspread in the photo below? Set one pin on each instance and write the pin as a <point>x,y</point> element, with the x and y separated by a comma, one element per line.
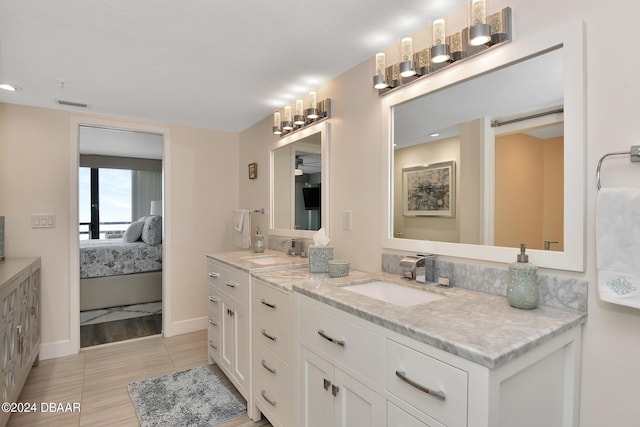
<point>114,257</point>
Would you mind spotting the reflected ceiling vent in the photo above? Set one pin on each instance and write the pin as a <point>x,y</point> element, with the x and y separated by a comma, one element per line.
<point>72,103</point>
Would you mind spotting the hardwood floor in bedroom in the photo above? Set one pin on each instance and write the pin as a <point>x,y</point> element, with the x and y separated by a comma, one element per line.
<point>98,377</point>
<point>120,330</point>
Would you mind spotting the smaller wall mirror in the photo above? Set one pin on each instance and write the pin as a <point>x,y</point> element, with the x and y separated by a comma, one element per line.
<point>298,182</point>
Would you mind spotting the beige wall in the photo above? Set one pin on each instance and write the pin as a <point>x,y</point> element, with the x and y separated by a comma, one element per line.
<point>35,170</point>
<point>611,345</point>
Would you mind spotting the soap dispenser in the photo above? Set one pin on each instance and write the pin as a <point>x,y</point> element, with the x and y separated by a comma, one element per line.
<point>522,291</point>
<point>258,241</point>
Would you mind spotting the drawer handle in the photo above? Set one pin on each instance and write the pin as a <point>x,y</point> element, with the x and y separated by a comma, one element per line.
<point>213,298</point>
<point>267,367</point>
<point>267,304</point>
<point>437,394</point>
<point>328,338</point>
<point>326,383</point>
<point>214,274</point>
<point>271,337</point>
<point>269,401</point>
<point>215,347</point>
<point>211,322</point>
<point>230,284</point>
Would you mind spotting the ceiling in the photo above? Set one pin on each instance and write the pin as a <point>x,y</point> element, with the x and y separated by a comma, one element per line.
<point>212,64</point>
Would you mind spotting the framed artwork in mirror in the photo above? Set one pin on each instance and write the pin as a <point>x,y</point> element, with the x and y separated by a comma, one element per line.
<point>253,170</point>
<point>429,190</point>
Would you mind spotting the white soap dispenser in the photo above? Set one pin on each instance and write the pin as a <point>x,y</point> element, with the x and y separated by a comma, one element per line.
<point>522,291</point>
<point>258,241</point>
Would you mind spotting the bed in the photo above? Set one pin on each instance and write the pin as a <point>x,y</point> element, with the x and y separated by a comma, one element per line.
<point>117,272</point>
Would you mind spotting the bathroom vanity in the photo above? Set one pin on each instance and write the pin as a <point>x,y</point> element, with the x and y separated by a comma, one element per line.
<point>464,359</point>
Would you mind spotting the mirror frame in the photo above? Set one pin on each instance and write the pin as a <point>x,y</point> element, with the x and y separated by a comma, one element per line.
<point>571,38</point>
<point>323,129</point>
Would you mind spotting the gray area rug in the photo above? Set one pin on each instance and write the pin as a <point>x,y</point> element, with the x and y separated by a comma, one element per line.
<point>194,397</point>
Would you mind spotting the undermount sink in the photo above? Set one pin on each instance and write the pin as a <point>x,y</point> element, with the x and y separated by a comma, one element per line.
<point>394,293</point>
<point>264,259</point>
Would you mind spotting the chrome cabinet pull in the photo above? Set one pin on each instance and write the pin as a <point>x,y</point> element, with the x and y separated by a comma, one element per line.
<point>230,284</point>
<point>214,274</point>
<point>229,312</point>
<point>328,338</point>
<point>211,322</point>
<point>267,367</point>
<point>437,394</point>
<point>269,401</point>
<point>271,337</point>
<point>267,303</point>
<point>212,345</point>
<point>326,384</point>
<point>334,390</point>
<point>213,298</point>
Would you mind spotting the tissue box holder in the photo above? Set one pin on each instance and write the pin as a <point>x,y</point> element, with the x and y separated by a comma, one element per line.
<point>319,257</point>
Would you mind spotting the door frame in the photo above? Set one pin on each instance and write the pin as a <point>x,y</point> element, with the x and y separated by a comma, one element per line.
<point>74,246</point>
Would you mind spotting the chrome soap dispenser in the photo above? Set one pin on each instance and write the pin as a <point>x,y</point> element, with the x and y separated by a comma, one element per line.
<point>522,291</point>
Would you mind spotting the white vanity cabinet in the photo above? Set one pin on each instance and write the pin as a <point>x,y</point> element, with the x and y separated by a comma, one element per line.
<point>229,323</point>
<point>341,369</point>
<point>273,353</point>
<point>383,378</point>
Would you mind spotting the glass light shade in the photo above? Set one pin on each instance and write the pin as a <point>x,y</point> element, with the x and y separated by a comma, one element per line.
<point>312,111</point>
<point>406,49</point>
<point>277,123</point>
<point>438,32</point>
<point>479,30</point>
<point>381,64</point>
<point>298,119</point>
<point>287,123</point>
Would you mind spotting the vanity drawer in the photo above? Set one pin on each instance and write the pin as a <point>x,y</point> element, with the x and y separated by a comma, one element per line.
<point>213,301</point>
<point>271,303</point>
<point>213,318</point>
<point>231,281</point>
<point>275,337</point>
<point>353,346</point>
<point>213,342</point>
<point>435,388</point>
<point>273,386</point>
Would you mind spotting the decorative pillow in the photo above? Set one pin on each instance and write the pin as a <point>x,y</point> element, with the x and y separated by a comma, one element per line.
<point>134,232</point>
<point>152,230</point>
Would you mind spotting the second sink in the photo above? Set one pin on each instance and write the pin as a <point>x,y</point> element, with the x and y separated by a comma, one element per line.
<point>394,293</point>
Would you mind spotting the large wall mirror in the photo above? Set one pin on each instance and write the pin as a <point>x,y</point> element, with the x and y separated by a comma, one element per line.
<point>298,181</point>
<point>490,154</point>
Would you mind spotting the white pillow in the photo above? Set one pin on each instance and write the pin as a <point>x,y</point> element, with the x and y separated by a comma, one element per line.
<point>134,232</point>
<point>152,230</point>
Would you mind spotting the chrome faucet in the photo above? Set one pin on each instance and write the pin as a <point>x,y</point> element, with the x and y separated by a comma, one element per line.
<point>295,248</point>
<point>415,267</point>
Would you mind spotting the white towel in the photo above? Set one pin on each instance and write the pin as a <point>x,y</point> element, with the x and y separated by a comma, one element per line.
<point>242,228</point>
<point>618,245</point>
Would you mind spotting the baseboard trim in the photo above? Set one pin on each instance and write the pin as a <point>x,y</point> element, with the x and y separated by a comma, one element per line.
<point>186,326</point>
<point>52,350</point>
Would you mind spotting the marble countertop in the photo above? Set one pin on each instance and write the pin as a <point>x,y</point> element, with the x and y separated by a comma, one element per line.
<point>10,268</point>
<point>250,261</point>
<point>476,326</point>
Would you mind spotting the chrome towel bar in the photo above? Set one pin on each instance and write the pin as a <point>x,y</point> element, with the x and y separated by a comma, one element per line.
<point>633,153</point>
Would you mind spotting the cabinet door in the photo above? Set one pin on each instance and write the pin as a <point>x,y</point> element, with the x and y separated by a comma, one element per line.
<point>316,400</point>
<point>227,341</point>
<point>356,404</point>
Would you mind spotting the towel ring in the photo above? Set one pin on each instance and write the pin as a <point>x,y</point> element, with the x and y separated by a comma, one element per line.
<point>634,156</point>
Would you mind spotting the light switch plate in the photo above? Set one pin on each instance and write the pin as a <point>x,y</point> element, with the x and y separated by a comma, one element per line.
<point>43,221</point>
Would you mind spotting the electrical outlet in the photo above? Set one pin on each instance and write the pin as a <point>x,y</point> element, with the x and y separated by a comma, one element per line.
<point>43,221</point>
<point>346,220</point>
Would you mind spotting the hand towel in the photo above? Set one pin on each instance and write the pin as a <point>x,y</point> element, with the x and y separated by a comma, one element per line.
<point>618,245</point>
<point>242,228</point>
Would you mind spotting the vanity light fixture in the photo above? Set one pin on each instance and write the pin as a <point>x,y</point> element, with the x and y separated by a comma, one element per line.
<point>406,62</point>
<point>439,45</point>
<point>380,76</point>
<point>444,50</point>
<point>284,124</point>
<point>287,123</point>
<point>298,118</point>
<point>479,30</point>
<point>277,123</point>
